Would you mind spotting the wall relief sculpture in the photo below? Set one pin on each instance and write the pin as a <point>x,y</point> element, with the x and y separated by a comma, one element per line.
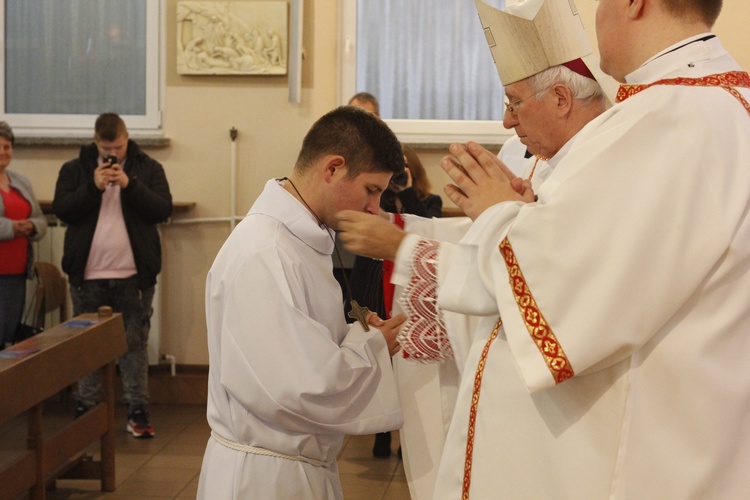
<point>232,38</point>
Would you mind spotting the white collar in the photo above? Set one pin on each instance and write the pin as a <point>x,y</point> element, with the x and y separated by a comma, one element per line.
<point>278,203</point>
<point>675,59</point>
<point>552,162</point>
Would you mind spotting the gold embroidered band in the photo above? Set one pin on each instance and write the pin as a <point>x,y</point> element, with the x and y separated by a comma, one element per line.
<point>554,356</point>
<point>473,411</point>
<point>728,81</point>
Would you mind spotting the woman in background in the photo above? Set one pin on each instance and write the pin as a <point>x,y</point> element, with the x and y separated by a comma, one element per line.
<point>21,221</point>
<point>412,194</point>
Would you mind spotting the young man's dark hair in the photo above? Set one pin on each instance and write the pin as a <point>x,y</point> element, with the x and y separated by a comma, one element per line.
<point>109,126</point>
<point>363,139</point>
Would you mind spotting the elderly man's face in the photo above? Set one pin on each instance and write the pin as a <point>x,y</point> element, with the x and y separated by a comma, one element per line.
<point>532,119</point>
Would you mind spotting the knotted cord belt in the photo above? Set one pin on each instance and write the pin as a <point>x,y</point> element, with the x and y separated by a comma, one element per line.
<point>246,448</point>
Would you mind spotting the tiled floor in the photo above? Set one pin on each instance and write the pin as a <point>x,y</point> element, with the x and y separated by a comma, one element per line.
<point>168,465</point>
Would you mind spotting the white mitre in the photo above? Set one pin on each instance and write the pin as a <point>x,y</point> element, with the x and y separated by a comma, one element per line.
<point>533,35</point>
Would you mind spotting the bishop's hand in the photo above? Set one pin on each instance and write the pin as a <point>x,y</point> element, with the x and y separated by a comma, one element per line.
<point>481,179</point>
<point>369,235</point>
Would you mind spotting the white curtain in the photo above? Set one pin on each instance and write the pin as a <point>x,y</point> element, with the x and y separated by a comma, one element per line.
<point>75,56</point>
<point>427,59</point>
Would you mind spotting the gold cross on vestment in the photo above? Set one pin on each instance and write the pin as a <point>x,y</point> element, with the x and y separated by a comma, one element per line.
<point>360,314</point>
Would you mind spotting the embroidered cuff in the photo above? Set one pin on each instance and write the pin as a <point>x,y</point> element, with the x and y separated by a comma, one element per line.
<point>423,336</point>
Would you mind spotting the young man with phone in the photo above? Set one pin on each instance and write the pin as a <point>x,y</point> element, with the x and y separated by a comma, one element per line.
<point>112,197</point>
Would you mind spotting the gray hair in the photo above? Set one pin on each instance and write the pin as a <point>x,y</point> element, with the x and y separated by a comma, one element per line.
<point>7,133</point>
<point>582,88</point>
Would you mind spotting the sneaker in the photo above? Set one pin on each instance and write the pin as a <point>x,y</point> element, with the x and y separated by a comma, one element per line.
<point>138,424</point>
<point>81,408</point>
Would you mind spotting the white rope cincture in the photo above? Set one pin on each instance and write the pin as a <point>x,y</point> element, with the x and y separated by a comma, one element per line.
<point>246,448</point>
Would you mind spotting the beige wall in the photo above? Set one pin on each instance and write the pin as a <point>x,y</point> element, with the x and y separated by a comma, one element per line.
<point>199,112</point>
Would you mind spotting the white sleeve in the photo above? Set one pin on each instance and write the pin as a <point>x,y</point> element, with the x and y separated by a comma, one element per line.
<point>285,367</point>
<point>622,237</point>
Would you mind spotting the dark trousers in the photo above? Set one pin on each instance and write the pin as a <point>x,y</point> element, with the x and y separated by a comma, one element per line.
<point>124,297</point>
<point>12,295</point>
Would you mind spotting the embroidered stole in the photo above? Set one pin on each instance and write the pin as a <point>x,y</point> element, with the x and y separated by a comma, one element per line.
<point>728,81</point>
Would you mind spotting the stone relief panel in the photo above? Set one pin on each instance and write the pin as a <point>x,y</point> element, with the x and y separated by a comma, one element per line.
<point>232,38</point>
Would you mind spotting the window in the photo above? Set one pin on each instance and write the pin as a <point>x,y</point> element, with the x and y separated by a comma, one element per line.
<point>428,63</point>
<point>66,61</point>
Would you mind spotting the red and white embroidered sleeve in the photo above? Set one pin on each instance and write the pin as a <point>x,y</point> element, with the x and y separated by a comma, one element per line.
<point>423,336</point>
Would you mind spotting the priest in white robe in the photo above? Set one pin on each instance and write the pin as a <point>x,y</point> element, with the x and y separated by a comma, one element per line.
<point>288,378</point>
<point>428,386</point>
<point>618,367</point>
<point>556,101</point>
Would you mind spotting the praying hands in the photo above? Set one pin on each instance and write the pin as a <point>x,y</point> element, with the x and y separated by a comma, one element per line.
<point>481,180</point>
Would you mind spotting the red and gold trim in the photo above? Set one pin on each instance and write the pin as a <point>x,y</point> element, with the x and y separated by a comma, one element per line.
<point>473,411</point>
<point>536,162</point>
<point>553,353</point>
<point>728,81</point>
<point>554,356</point>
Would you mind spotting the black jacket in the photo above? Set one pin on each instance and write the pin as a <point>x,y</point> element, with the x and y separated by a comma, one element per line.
<point>145,202</point>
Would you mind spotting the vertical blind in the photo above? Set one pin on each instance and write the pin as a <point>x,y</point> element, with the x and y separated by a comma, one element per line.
<point>427,59</point>
<point>75,56</point>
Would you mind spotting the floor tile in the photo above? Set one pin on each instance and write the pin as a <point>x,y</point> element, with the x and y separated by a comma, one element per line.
<point>363,488</point>
<point>165,489</point>
<point>168,466</point>
<point>184,461</point>
<point>190,491</point>
<point>168,474</point>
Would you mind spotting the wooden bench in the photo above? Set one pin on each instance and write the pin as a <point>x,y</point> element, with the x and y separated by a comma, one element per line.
<point>38,368</point>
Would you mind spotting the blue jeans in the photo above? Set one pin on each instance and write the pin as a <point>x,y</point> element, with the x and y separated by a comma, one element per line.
<point>123,296</point>
<point>12,296</point>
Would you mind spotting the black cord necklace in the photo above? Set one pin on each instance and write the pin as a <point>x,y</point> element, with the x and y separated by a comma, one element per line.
<point>357,312</point>
<point>702,39</point>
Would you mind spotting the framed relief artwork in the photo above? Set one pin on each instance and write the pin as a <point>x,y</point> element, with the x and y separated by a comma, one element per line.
<point>232,38</point>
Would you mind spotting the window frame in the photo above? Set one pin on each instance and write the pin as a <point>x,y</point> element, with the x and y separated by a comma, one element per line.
<point>419,132</point>
<point>73,125</point>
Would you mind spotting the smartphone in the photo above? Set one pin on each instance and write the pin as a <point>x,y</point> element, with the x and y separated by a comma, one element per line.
<point>111,159</point>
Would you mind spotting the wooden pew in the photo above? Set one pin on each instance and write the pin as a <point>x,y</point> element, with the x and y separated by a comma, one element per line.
<point>38,368</point>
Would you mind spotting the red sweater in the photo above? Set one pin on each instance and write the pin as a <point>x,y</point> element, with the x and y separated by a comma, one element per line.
<point>13,251</point>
